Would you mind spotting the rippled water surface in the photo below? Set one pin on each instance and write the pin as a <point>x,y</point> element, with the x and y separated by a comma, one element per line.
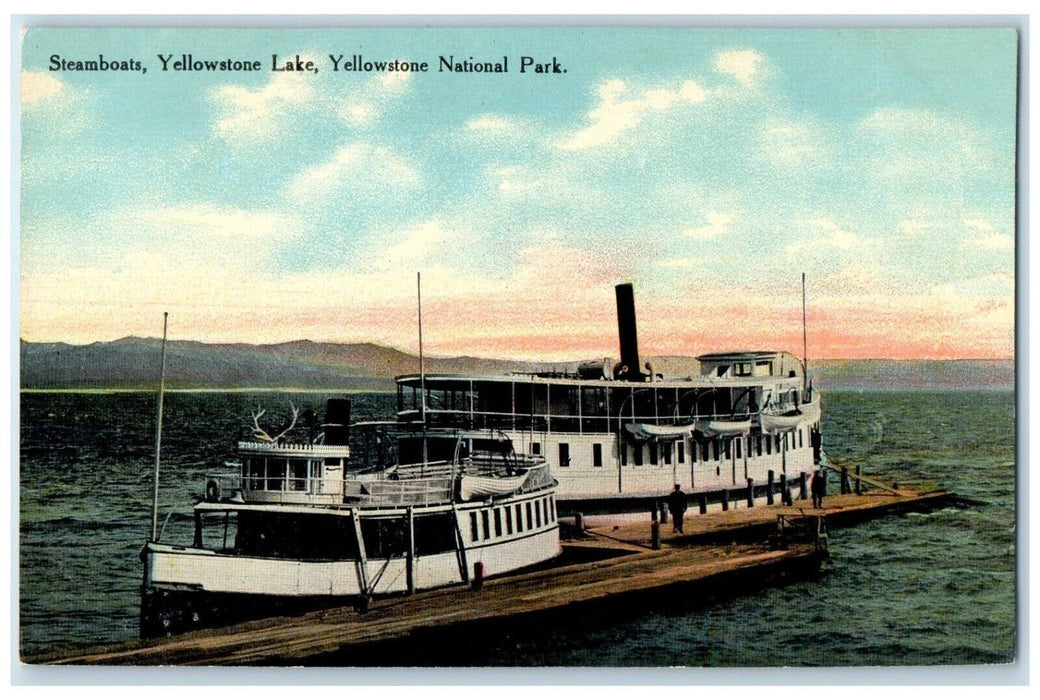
<point>922,589</point>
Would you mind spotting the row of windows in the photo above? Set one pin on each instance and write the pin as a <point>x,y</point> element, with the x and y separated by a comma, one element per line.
<point>505,518</point>
<point>713,449</point>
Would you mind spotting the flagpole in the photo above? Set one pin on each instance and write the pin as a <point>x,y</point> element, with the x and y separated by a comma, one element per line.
<point>805,342</point>
<point>158,434</point>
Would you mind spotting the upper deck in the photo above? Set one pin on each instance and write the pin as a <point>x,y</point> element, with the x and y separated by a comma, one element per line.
<point>729,385</point>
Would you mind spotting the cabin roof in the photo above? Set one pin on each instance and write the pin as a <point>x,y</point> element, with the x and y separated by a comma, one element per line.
<point>738,356</point>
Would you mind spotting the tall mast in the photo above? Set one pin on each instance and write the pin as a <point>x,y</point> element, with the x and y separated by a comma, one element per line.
<point>805,344</point>
<point>158,433</point>
<point>422,373</point>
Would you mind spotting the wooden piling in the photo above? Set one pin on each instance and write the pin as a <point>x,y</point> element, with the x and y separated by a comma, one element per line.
<point>664,512</point>
<point>578,524</point>
<point>859,479</point>
<point>770,484</point>
<point>478,576</point>
<point>725,499</point>
<point>702,503</point>
<point>410,562</point>
<point>803,486</point>
<point>653,512</point>
<point>750,492</point>
<point>845,488</point>
<point>655,535</point>
<point>785,493</point>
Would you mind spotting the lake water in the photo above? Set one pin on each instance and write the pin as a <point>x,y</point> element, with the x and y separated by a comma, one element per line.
<point>922,589</point>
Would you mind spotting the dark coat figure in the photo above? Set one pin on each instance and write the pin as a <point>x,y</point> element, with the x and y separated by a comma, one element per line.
<point>819,488</point>
<point>677,506</point>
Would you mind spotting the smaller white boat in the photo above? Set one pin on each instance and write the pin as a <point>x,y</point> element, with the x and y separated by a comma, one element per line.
<point>473,486</point>
<point>779,421</point>
<point>304,523</point>
<point>724,427</point>
<point>652,431</point>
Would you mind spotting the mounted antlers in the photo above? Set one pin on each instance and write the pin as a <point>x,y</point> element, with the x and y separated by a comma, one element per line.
<point>261,434</point>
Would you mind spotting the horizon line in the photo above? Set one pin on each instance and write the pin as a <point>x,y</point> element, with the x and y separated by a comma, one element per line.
<point>500,359</point>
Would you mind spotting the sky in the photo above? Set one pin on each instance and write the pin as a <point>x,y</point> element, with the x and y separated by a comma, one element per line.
<point>708,167</point>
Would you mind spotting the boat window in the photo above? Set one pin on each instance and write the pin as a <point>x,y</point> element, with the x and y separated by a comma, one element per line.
<point>769,445</point>
<point>276,474</point>
<point>778,442</point>
<point>498,522</point>
<point>565,454</point>
<point>736,442</point>
<point>485,520</point>
<point>474,534</point>
<point>763,369</point>
<point>434,533</point>
<point>597,455</point>
<point>509,520</point>
<point>552,508</point>
<point>538,513</point>
<point>216,531</point>
<point>758,445</point>
<point>653,454</point>
<point>667,450</point>
<point>295,536</point>
<point>563,400</point>
<point>624,454</point>
<point>637,455</point>
<point>297,474</point>
<point>800,444</point>
<point>530,520</point>
<point>331,461</point>
<point>726,447</point>
<point>742,369</point>
<point>519,518</point>
<point>385,537</point>
<point>704,451</point>
<point>682,452</point>
<point>536,448</point>
<point>256,474</point>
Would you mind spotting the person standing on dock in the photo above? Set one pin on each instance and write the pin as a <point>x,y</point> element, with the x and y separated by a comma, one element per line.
<point>818,488</point>
<point>677,506</point>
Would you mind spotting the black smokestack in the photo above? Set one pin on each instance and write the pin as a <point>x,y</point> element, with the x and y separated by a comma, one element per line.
<point>626,321</point>
<point>337,421</point>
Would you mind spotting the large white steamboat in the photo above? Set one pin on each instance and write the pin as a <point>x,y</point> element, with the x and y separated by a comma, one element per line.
<point>618,436</point>
<point>297,525</point>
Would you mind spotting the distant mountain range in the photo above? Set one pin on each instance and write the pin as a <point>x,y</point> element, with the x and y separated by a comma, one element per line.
<point>133,363</point>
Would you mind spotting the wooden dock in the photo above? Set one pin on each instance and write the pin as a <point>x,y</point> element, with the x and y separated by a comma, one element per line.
<point>613,569</point>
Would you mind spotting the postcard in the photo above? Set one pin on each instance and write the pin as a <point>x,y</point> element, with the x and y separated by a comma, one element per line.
<point>517,346</point>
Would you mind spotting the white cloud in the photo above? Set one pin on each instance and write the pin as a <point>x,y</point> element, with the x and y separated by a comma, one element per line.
<point>741,64</point>
<point>790,144</point>
<point>371,99</point>
<point>833,234</point>
<point>37,87</point>
<point>360,166</point>
<point>978,224</point>
<point>415,245</point>
<point>717,225</point>
<point>913,227</point>
<point>211,221</point>
<point>615,115</point>
<point>491,123</point>
<point>997,241</point>
<point>245,114</point>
